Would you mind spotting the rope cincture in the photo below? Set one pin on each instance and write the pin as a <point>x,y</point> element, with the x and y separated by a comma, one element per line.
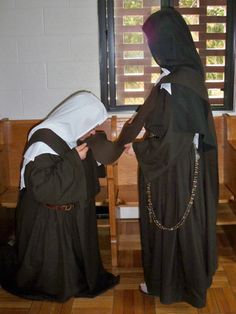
<point>151,213</point>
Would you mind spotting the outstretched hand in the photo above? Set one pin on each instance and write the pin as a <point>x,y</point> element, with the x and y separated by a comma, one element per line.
<point>129,149</point>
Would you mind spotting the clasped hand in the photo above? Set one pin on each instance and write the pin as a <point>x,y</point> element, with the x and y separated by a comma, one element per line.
<point>129,149</point>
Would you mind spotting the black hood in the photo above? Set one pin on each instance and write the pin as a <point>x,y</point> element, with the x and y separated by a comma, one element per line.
<point>170,41</point>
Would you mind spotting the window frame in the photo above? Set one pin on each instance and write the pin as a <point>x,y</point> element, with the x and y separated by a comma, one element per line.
<point>107,56</point>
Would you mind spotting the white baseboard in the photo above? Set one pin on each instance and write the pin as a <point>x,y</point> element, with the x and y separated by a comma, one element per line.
<point>127,212</point>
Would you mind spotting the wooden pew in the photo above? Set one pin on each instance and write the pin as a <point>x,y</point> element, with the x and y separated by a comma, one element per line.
<point>119,188</point>
<point>13,137</point>
<point>230,172</point>
<point>230,152</point>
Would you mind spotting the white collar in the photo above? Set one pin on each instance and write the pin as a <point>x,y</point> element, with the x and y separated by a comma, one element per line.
<point>166,86</point>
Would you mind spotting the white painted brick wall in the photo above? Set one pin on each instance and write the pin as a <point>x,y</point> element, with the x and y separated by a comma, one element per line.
<point>8,50</point>
<point>48,49</point>
<point>11,101</point>
<point>7,4</point>
<point>41,3</point>
<point>22,76</point>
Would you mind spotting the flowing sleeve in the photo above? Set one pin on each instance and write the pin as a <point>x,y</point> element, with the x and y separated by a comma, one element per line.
<point>155,156</point>
<point>106,151</point>
<point>158,153</point>
<point>56,180</point>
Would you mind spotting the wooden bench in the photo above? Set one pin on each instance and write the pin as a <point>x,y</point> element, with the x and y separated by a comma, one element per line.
<point>119,188</point>
<point>227,212</point>
<point>230,175</point>
<point>13,137</point>
<point>230,152</point>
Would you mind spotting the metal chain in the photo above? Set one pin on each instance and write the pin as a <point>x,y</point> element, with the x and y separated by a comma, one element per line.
<point>152,215</point>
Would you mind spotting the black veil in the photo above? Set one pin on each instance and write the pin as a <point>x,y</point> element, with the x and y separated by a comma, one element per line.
<point>170,41</point>
<point>173,48</point>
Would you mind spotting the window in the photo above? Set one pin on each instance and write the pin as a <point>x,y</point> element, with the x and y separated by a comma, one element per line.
<point>127,68</point>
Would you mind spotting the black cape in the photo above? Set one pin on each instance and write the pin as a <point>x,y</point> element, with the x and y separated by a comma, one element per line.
<point>56,255</point>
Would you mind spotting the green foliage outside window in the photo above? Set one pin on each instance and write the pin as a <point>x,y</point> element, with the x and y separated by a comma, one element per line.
<point>215,93</point>
<point>133,54</point>
<point>191,19</point>
<point>132,4</point>
<point>134,100</point>
<point>215,28</point>
<point>215,44</point>
<point>130,20</point>
<point>133,38</point>
<point>210,76</point>
<point>134,69</point>
<point>215,60</point>
<point>216,11</point>
<point>188,3</point>
<point>134,86</point>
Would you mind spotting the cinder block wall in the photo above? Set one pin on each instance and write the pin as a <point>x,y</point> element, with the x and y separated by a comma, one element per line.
<point>48,49</point>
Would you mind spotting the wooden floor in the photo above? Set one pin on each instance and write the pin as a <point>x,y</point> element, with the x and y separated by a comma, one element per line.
<point>126,298</point>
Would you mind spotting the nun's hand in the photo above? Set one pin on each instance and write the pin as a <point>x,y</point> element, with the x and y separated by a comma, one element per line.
<point>82,150</point>
<point>129,149</point>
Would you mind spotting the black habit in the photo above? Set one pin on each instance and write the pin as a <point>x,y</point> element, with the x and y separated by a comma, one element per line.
<point>178,191</point>
<point>178,233</point>
<point>56,255</point>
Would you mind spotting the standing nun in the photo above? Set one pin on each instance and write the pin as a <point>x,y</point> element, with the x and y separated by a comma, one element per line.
<point>56,251</point>
<point>178,172</point>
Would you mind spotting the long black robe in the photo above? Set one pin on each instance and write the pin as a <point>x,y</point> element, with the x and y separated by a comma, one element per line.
<point>56,255</point>
<point>178,265</point>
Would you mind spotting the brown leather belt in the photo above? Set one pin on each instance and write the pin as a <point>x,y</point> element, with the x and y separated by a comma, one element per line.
<point>65,207</point>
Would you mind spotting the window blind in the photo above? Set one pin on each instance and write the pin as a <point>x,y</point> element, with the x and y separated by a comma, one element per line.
<point>135,69</point>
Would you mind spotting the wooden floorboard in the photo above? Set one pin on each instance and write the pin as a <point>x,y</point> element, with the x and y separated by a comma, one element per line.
<point>125,298</point>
